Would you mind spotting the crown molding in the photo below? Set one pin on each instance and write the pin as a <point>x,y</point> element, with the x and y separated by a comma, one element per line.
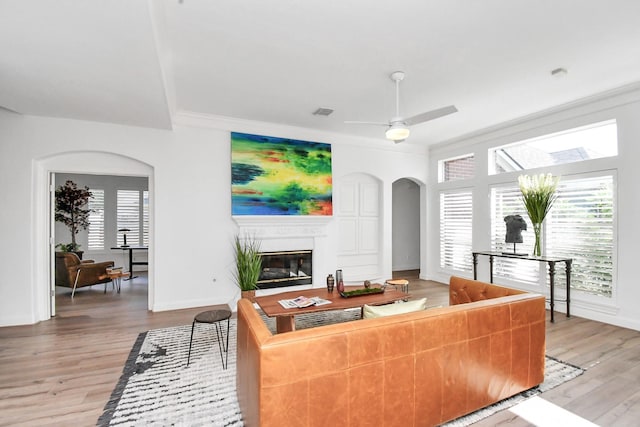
<point>233,124</point>
<point>616,97</point>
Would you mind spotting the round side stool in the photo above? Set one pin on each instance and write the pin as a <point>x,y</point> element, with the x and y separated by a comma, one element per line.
<point>214,317</point>
<point>403,283</point>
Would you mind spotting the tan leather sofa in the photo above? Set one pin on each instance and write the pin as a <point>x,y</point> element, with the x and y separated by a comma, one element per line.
<point>415,369</point>
<point>71,272</point>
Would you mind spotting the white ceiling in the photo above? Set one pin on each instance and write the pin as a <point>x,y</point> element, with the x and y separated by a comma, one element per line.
<point>138,62</point>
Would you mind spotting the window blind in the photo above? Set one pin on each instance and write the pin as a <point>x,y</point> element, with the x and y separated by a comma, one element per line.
<point>128,216</point>
<point>507,200</point>
<point>96,220</point>
<point>456,226</point>
<point>145,218</point>
<point>581,226</point>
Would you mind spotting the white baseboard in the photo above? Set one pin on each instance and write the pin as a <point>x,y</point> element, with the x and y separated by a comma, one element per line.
<point>401,267</point>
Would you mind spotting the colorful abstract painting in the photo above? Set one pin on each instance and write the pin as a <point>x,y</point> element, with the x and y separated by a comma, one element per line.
<point>279,176</point>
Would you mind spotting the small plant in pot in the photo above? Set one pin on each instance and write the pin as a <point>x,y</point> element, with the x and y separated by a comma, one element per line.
<point>72,211</point>
<point>68,247</point>
<point>248,265</point>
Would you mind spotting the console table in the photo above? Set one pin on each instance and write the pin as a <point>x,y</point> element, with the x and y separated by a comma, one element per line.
<point>551,261</point>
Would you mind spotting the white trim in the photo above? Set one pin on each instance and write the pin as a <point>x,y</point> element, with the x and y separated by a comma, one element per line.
<point>210,121</point>
<point>559,114</point>
<point>282,226</point>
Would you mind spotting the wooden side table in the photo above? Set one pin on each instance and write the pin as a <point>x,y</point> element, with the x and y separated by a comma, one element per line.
<point>403,283</point>
<point>116,277</point>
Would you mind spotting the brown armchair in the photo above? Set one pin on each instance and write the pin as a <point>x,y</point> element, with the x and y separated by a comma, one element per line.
<point>71,272</point>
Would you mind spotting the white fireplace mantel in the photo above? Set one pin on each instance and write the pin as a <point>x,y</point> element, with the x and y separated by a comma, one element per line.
<point>282,226</point>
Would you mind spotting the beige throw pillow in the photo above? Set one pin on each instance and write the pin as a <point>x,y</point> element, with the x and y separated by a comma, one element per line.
<point>370,311</point>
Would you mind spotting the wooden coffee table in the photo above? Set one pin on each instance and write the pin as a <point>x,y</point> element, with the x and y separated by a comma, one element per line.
<point>285,317</point>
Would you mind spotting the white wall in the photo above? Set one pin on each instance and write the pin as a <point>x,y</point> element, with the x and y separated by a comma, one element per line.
<point>624,106</point>
<point>190,182</point>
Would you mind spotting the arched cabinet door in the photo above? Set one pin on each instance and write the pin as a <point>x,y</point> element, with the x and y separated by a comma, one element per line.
<point>359,221</point>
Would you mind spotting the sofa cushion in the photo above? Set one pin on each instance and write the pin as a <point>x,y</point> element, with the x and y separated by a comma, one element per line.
<point>370,311</point>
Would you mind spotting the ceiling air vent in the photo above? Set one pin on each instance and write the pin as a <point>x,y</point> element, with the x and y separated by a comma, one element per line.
<point>322,111</point>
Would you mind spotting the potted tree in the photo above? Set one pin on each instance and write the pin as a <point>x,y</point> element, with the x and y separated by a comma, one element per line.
<point>72,211</point>
<point>248,265</point>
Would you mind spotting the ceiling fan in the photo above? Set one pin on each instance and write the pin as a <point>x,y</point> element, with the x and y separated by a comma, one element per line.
<point>398,127</point>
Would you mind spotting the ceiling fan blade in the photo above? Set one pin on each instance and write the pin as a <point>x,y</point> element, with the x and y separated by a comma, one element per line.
<point>430,115</point>
<point>355,122</point>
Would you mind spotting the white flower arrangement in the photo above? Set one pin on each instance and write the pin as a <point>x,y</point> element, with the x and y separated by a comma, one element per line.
<point>538,196</point>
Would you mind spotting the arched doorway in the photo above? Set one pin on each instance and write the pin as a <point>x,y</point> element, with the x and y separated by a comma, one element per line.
<point>406,226</point>
<point>79,162</point>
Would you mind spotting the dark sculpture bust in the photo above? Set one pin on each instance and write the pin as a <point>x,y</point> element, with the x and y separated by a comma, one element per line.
<point>515,225</point>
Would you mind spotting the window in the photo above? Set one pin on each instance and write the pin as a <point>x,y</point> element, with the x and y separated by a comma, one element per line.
<point>456,215</point>
<point>457,168</point>
<point>145,218</point>
<point>579,226</point>
<point>96,220</point>
<point>128,216</point>
<point>588,142</point>
<point>133,214</point>
<point>507,200</point>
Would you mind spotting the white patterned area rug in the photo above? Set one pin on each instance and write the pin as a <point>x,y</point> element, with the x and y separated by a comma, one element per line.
<point>158,388</point>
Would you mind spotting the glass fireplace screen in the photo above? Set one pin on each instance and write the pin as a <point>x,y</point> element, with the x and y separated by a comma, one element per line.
<point>285,268</point>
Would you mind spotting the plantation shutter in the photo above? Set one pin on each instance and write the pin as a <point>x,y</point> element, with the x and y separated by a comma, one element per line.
<point>128,216</point>
<point>507,200</point>
<point>96,220</point>
<point>145,218</point>
<point>581,226</point>
<point>456,224</point>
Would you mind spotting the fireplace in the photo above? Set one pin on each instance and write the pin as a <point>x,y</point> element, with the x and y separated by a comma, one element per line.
<point>285,268</point>
<point>287,235</point>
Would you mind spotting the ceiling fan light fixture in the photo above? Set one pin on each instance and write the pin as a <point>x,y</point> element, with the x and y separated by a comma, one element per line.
<point>398,126</point>
<point>397,132</point>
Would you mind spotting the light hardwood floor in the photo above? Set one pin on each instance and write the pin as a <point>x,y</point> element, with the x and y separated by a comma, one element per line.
<point>61,372</point>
